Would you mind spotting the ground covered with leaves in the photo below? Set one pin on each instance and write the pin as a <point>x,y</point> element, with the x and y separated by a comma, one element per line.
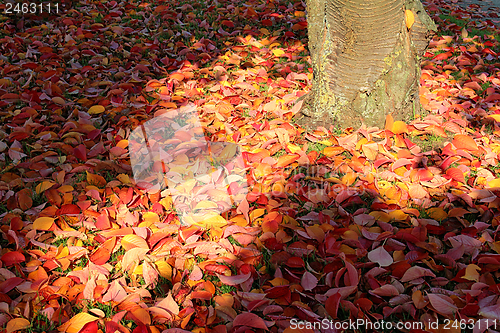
<point>395,224</point>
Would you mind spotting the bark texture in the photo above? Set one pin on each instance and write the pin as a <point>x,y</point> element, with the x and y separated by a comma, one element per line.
<point>366,62</point>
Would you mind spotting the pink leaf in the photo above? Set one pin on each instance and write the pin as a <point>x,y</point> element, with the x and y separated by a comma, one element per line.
<point>235,279</point>
<point>168,303</point>
<point>442,304</point>
<point>380,256</point>
<point>385,290</point>
<point>416,272</point>
<point>309,281</point>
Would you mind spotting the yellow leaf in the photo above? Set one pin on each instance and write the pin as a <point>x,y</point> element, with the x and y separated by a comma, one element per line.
<point>122,144</point>
<point>96,109</point>
<point>206,204</point>
<point>75,324</point>
<point>410,18</point>
<point>62,252</point>
<point>278,52</point>
<point>45,185</point>
<point>495,246</point>
<point>256,213</point>
<point>138,270</point>
<point>164,269</point>
<point>215,221</point>
<point>43,223</point>
<point>5,82</point>
<point>381,216</point>
<point>239,220</point>
<point>494,183</point>
<point>17,324</point>
<point>125,179</point>
<point>293,148</point>
<point>496,117</point>
<point>471,272</point>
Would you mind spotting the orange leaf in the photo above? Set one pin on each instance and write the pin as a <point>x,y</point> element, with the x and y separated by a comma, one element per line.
<point>416,191</point>
<point>131,241</point>
<point>17,324</point>
<point>399,127</point>
<point>464,142</point>
<point>333,151</point>
<point>43,223</point>
<point>100,257</point>
<point>24,199</point>
<point>370,150</point>
<point>285,160</point>
<point>75,324</point>
<point>177,76</point>
<point>456,174</point>
<point>409,18</point>
<point>96,180</point>
<point>96,109</point>
<point>471,272</point>
<point>418,299</point>
<point>389,122</point>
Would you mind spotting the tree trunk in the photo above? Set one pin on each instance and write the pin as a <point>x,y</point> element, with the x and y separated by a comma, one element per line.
<point>366,62</point>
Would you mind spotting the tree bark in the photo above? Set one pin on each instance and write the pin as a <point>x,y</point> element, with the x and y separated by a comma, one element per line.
<point>366,62</point>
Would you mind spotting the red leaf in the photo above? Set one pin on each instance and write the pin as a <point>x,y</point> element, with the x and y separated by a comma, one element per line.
<point>12,258</point>
<point>267,23</point>
<point>100,257</point>
<point>80,152</point>
<point>69,209</point>
<point>332,304</point>
<point>10,284</point>
<point>228,23</point>
<point>456,174</point>
<point>443,56</point>
<point>249,319</point>
<point>103,222</point>
<point>90,328</point>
